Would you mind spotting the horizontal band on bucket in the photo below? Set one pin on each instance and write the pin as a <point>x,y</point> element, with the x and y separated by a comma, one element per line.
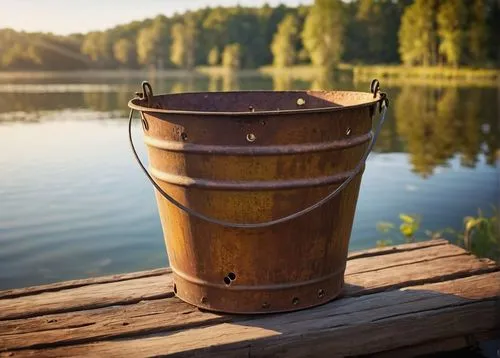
<point>247,185</point>
<point>254,148</point>
<point>273,287</point>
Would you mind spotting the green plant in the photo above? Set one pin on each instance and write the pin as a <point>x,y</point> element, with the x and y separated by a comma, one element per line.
<point>481,235</point>
<point>409,226</point>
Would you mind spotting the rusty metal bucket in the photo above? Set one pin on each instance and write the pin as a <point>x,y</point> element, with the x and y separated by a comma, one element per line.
<point>257,191</point>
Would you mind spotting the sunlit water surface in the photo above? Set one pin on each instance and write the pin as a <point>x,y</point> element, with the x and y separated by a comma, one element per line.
<point>73,202</point>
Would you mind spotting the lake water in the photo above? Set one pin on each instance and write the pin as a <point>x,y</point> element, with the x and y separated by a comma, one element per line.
<point>74,204</point>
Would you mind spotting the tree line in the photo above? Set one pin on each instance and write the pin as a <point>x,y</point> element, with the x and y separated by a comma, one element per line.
<point>419,32</point>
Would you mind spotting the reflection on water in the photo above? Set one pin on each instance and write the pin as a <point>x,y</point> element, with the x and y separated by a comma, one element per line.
<point>432,124</point>
<point>438,123</point>
<point>73,202</point>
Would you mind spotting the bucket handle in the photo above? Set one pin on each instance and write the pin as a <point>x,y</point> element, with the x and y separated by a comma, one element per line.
<point>383,104</point>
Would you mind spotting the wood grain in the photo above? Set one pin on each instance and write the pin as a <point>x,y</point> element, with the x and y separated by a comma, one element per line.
<point>403,257</point>
<point>58,286</point>
<point>25,291</point>
<point>377,322</point>
<point>438,269</point>
<point>358,278</point>
<point>87,297</point>
<point>427,295</point>
<point>437,346</point>
<point>396,248</point>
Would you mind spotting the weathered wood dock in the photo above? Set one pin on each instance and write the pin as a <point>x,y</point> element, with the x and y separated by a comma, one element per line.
<point>398,302</point>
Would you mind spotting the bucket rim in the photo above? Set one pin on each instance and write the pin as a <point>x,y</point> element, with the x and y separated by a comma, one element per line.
<point>375,99</point>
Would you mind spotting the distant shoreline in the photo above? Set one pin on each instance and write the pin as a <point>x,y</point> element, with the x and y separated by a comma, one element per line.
<point>395,74</point>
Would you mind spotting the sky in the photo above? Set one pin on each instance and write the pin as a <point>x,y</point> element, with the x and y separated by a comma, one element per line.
<point>70,16</point>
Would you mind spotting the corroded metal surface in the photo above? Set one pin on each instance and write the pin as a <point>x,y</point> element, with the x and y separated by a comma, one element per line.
<point>249,157</point>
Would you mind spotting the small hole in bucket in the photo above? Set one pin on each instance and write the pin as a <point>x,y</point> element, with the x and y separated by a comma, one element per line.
<point>184,136</point>
<point>204,300</point>
<point>232,276</point>
<point>251,137</point>
<point>227,280</point>
<point>295,301</point>
<point>175,288</point>
<point>321,293</point>
<point>348,132</point>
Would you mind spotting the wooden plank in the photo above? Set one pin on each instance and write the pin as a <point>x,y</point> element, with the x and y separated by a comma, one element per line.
<point>87,297</point>
<point>111,322</point>
<point>384,334</point>
<point>404,257</point>
<point>168,315</point>
<point>439,346</point>
<point>377,322</point>
<point>58,286</point>
<point>397,248</point>
<point>439,269</point>
<point>25,291</point>
<point>133,290</point>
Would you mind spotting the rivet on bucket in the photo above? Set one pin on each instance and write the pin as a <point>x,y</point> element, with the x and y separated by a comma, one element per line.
<point>251,137</point>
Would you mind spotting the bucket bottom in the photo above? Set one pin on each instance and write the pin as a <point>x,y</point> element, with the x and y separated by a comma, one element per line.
<point>234,298</point>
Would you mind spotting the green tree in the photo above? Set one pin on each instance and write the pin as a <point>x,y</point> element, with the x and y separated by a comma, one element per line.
<point>231,56</point>
<point>152,44</point>
<point>90,46</point>
<point>284,45</point>
<point>450,19</point>
<point>493,31</point>
<point>417,34</point>
<point>371,31</point>
<point>124,52</point>
<point>182,52</point>
<point>145,47</point>
<point>215,27</point>
<point>323,32</point>
<point>97,46</point>
<point>178,49</point>
<point>477,31</point>
<point>213,56</point>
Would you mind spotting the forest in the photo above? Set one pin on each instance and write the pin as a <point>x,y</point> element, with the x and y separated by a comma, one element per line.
<point>329,32</point>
